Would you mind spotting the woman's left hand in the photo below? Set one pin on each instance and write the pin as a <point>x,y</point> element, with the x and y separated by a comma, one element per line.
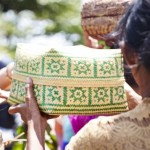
<point>6,76</point>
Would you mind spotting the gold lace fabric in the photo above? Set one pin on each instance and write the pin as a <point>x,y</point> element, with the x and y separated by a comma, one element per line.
<point>126,131</point>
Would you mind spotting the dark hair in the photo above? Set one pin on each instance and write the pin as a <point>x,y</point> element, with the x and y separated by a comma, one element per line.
<point>134,29</point>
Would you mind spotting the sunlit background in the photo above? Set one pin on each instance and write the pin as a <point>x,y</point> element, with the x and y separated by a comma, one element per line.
<point>50,22</point>
<point>39,21</point>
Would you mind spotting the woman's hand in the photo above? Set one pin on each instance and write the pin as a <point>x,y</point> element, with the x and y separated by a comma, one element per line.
<point>132,97</point>
<point>5,81</point>
<point>9,69</point>
<point>6,76</point>
<point>3,96</point>
<point>32,116</point>
<point>30,110</point>
<point>90,41</point>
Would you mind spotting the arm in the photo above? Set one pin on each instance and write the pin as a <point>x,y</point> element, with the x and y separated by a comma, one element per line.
<point>35,136</point>
<point>31,115</point>
<point>36,123</point>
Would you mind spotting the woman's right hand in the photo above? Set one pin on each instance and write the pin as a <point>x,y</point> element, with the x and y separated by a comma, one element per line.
<point>32,116</point>
<point>6,76</point>
<point>30,110</point>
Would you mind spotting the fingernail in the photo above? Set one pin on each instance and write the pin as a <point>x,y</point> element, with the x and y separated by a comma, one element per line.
<point>28,80</point>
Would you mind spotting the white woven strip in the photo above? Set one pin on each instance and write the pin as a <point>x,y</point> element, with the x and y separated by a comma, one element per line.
<point>55,81</point>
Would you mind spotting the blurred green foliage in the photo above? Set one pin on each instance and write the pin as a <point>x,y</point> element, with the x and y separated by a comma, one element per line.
<point>50,139</point>
<point>22,20</point>
<point>20,145</point>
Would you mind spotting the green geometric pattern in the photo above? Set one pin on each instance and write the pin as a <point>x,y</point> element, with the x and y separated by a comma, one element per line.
<point>34,66</point>
<point>69,100</point>
<point>54,64</point>
<point>82,68</point>
<point>107,67</point>
<point>101,94</point>
<point>38,91</point>
<point>118,93</point>
<point>77,96</point>
<point>102,69</point>
<point>54,94</point>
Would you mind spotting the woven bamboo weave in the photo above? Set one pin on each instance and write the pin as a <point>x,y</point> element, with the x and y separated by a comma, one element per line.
<point>70,80</point>
<point>101,16</point>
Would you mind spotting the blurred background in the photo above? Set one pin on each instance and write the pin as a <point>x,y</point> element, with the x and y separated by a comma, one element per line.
<point>39,21</point>
<point>50,22</point>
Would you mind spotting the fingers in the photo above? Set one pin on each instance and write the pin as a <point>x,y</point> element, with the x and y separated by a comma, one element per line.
<point>30,98</point>
<point>87,40</point>
<point>21,109</point>
<point>49,116</point>
<point>32,106</point>
<point>2,100</point>
<point>10,69</point>
<point>17,109</point>
<point>31,102</point>
<point>29,88</point>
<point>4,94</point>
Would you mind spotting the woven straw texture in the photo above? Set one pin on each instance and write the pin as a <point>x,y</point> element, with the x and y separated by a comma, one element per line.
<point>101,16</point>
<point>70,80</point>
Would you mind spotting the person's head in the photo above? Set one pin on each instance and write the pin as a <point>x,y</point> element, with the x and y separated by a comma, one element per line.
<point>134,32</point>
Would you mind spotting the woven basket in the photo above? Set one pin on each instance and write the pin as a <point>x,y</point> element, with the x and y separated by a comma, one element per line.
<point>70,80</point>
<point>101,16</point>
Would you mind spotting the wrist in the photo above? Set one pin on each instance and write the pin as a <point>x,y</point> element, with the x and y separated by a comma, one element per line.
<point>38,127</point>
<point>35,135</point>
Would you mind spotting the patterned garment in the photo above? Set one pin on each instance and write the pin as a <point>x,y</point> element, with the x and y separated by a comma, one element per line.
<point>126,131</point>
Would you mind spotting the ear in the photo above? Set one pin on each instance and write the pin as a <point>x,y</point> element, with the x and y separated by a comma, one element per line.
<point>129,55</point>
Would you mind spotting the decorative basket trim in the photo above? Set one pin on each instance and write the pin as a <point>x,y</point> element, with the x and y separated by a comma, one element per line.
<point>54,81</point>
<point>55,110</point>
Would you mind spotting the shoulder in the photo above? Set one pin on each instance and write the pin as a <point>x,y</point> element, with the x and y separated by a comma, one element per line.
<point>106,131</point>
